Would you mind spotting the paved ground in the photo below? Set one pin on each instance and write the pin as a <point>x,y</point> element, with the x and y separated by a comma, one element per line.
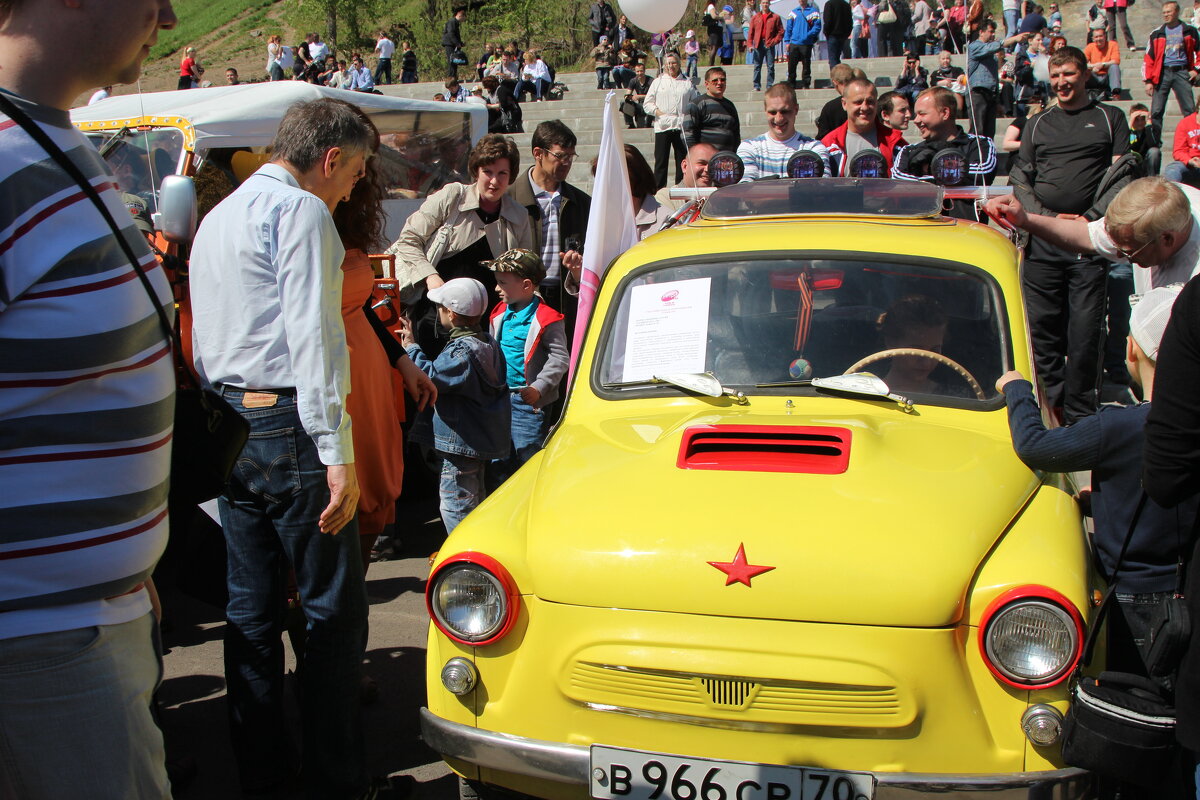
<point>193,690</point>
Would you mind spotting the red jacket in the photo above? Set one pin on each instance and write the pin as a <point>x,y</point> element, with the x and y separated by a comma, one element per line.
<point>890,140</point>
<point>1152,64</point>
<point>765,28</point>
<point>1187,139</point>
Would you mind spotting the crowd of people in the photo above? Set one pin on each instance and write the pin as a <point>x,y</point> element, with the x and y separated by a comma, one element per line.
<point>495,264</point>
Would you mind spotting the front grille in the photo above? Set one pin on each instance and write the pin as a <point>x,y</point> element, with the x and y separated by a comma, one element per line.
<point>740,699</point>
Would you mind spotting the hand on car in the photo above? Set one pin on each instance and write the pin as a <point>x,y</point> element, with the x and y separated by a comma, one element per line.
<point>1007,378</point>
<point>1007,208</point>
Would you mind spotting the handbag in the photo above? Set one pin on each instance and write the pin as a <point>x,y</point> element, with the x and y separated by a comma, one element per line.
<point>209,434</point>
<point>458,58</point>
<point>1119,725</point>
<point>887,16</point>
<point>1169,628</point>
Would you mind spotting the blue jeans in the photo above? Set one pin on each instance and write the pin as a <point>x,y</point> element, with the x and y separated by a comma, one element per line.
<point>621,76</point>
<point>764,54</point>
<point>1011,18</point>
<point>691,71</point>
<point>462,487</point>
<point>834,46</point>
<point>529,428</point>
<point>1181,173</point>
<point>602,78</point>
<point>269,515</point>
<point>75,714</point>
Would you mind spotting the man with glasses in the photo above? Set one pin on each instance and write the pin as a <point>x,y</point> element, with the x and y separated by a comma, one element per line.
<point>558,212</point>
<point>1152,223</point>
<point>712,118</point>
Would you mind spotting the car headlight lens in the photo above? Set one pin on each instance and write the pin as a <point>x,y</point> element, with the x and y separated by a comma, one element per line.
<point>472,599</point>
<point>1031,641</point>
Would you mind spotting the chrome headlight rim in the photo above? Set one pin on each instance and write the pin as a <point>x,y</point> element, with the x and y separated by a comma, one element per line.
<point>1043,598</point>
<point>491,571</point>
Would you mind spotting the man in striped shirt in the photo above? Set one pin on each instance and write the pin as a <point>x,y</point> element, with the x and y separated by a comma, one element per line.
<point>86,406</point>
<point>768,154</point>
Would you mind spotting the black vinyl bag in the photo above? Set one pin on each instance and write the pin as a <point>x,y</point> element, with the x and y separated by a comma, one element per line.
<point>1119,725</point>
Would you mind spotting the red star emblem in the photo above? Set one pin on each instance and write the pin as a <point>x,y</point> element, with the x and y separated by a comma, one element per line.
<point>739,570</point>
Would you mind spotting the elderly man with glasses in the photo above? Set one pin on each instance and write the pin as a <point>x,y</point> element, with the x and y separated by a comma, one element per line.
<point>1151,223</point>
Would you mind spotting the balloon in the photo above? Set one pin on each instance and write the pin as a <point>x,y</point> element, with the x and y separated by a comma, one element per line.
<point>656,16</point>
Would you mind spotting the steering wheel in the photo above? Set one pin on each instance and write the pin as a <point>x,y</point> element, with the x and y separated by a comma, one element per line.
<point>912,351</point>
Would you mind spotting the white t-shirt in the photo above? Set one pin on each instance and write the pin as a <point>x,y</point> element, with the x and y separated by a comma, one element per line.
<point>317,51</point>
<point>384,47</point>
<point>101,94</point>
<point>1180,267</point>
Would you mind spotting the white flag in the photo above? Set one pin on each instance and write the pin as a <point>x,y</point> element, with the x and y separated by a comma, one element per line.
<point>610,230</point>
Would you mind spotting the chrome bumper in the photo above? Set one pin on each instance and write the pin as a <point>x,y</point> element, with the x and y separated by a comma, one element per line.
<point>571,765</point>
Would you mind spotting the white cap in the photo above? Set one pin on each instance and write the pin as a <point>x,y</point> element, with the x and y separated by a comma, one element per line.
<point>691,34</point>
<point>1148,319</point>
<point>465,296</point>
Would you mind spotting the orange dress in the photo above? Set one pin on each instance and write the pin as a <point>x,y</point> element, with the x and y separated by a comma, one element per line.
<point>374,385</point>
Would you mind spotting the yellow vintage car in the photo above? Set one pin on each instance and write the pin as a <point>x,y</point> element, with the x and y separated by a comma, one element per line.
<point>779,546</point>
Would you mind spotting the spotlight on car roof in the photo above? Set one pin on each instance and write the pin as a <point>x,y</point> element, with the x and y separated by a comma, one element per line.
<point>949,168</point>
<point>805,164</point>
<point>868,163</point>
<point>725,168</point>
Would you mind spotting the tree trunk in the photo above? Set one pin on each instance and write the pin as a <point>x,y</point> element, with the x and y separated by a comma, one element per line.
<point>331,26</point>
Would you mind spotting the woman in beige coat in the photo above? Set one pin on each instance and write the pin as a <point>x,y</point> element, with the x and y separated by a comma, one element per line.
<point>457,228</point>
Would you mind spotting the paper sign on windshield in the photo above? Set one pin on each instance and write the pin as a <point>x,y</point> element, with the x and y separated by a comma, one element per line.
<point>668,328</point>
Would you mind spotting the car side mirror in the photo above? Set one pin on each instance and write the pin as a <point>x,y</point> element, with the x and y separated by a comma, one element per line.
<point>176,215</point>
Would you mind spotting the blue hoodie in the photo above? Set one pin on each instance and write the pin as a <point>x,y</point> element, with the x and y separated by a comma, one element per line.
<point>803,26</point>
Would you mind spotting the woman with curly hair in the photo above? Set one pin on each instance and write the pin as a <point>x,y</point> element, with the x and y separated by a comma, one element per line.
<point>458,227</point>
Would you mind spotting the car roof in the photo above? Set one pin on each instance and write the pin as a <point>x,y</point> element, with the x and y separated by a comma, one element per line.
<point>249,115</point>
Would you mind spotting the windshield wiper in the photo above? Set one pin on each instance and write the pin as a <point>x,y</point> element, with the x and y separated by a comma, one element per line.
<point>108,144</point>
<point>704,383</point>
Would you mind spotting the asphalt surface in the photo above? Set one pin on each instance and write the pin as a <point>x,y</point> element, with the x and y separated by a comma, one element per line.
<point>192,696</point>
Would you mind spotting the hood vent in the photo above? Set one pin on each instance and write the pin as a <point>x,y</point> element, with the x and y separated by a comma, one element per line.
<point>753,448</point>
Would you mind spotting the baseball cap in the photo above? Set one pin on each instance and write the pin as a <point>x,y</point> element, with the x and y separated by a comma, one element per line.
<point>519,261</point>
<point>691,34</point>
<point>139,211</point>
<point>464,296</point>
<point>1148,319</point>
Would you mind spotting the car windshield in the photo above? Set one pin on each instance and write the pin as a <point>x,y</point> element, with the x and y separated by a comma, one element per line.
<point>933,331</point>
<point>139,159</point>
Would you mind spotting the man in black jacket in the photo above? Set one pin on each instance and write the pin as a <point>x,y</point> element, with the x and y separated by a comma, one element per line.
<point>452,39</point>
<point>837,23</point>
<point>558,212</point>
<point>603,21</point>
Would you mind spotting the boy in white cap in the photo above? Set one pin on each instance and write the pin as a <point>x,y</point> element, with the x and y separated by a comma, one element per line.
<point>469,423</point>
<point>1109,443</point>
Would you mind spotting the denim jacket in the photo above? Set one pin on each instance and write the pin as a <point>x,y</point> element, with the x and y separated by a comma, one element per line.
<point>472,415</point>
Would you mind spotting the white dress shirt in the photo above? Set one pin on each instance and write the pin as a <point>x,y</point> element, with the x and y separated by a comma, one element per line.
<point>1179,268</point>
<point>266,291</point>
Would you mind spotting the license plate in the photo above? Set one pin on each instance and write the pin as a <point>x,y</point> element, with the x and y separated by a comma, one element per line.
<point>620,774</point>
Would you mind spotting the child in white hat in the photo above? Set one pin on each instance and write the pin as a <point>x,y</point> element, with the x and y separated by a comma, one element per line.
<point>469,424</point>
<point>1110,443</point>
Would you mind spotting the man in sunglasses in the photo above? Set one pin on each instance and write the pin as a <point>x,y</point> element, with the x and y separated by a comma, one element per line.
<point>1151,223</point>
<point>712,118</point>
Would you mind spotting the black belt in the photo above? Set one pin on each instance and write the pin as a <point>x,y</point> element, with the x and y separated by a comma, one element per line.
<point>286,392</point>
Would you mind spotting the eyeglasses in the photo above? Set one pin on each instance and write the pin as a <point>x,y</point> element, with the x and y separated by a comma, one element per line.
<point>1129,254</point>
<point>716,80</point>
<point>562,158</point>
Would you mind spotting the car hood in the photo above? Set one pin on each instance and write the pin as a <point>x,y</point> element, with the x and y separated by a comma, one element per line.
<point>895,539</point>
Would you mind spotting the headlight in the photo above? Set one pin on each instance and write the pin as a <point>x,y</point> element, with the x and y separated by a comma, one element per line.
<point>472,599</point>
<point>1031,637</point>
